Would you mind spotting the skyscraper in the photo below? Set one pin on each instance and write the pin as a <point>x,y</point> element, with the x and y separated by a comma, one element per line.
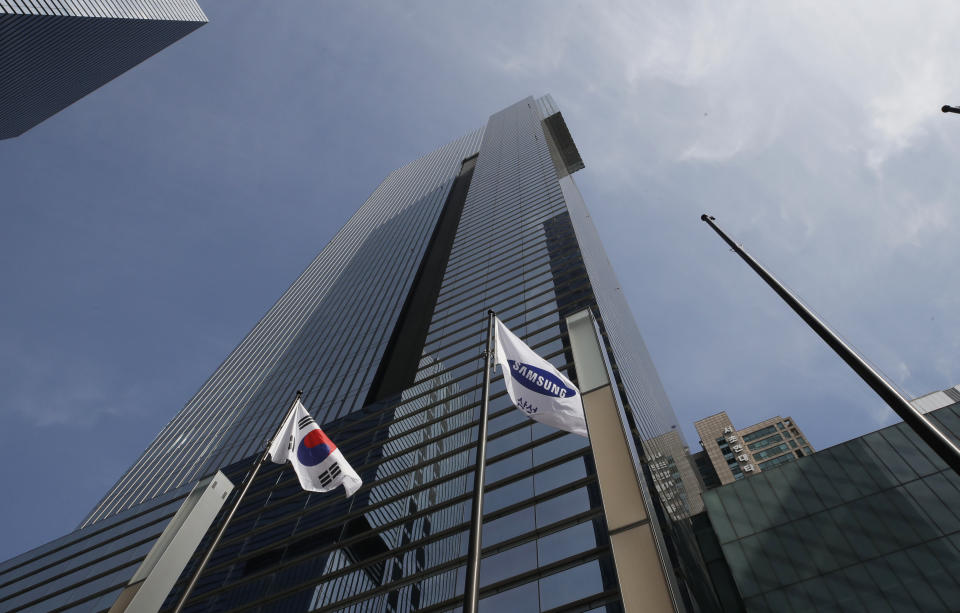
<point>54,52</point>
<point>383,333</point>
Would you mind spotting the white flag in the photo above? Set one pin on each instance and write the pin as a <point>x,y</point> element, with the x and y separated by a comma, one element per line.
<point>536,387</point>
<point>319,465</point>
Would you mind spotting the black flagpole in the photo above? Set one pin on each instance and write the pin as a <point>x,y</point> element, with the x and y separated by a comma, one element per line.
<point>471,593</point>
<point>223,527</point>
<point>942,445</point>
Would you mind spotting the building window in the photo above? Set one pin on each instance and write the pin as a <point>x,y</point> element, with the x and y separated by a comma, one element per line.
<point>759,433</point>
<point>771,451</point>
<point>776,461</point>
<point>776,438</point>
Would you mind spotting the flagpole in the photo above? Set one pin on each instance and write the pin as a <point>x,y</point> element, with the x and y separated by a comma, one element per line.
<point>471,592</point>
<point>223,527</point>
<point>942,445</point>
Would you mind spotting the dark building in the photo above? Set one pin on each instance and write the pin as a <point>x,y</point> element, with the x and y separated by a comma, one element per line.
<point>872,524</point>
<point>383,332</point>
<point>54,52</point>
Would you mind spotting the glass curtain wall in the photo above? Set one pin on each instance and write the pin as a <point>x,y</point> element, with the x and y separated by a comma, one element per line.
<point>400,543</point>
<point>326,334</point>
<point>384,332</point>
<point>872,524</point>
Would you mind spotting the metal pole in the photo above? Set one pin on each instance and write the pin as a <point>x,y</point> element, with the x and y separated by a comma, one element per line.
<point>946,108</point>
<point>471,593</point>
<point>940,444</point>
<point>223,527</point>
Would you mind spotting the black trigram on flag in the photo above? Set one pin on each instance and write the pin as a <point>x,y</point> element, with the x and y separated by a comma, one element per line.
<point>327,476</point>
<point>318,463</point>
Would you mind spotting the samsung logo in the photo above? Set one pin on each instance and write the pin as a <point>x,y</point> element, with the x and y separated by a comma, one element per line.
<point>539,380</point>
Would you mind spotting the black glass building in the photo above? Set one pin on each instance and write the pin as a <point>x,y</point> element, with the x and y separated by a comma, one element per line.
<point>383,332</point>
<point>872,524</point>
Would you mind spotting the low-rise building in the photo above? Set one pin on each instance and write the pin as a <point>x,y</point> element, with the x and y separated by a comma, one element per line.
<point>872,524</point>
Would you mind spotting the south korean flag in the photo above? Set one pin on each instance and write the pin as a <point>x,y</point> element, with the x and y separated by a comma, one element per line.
<point>536,387</point>
<point>319,465</point>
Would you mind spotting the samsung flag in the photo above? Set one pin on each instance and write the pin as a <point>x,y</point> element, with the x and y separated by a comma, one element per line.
<point>536,387</point>
<point>318,463</point>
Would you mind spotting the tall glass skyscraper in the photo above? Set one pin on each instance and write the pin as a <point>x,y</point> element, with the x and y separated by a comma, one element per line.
<point>54,52</point>
<point>383,332</point>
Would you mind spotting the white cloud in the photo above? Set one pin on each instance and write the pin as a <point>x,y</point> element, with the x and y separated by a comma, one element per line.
<point>908,109</point>
<point>811,129</point>
<point>761,72</point>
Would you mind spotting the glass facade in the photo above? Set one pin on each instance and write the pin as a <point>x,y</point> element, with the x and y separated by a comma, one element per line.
<point>872,524</point>
<point>765,442</point>
<point>87,569</point>
<point>384,332</point>
<point>515,251</point>
<point>55,52</point>
<point>747,438</point>
<point>326,335</point>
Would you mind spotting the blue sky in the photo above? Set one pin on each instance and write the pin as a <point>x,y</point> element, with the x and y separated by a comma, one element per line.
<point>148,226</point>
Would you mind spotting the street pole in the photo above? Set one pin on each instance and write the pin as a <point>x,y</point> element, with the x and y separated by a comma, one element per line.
<point>471,592</point>
<point>918,422</point>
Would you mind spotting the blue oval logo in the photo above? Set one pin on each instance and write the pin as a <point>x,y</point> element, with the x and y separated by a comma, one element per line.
<point>539,380</point>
